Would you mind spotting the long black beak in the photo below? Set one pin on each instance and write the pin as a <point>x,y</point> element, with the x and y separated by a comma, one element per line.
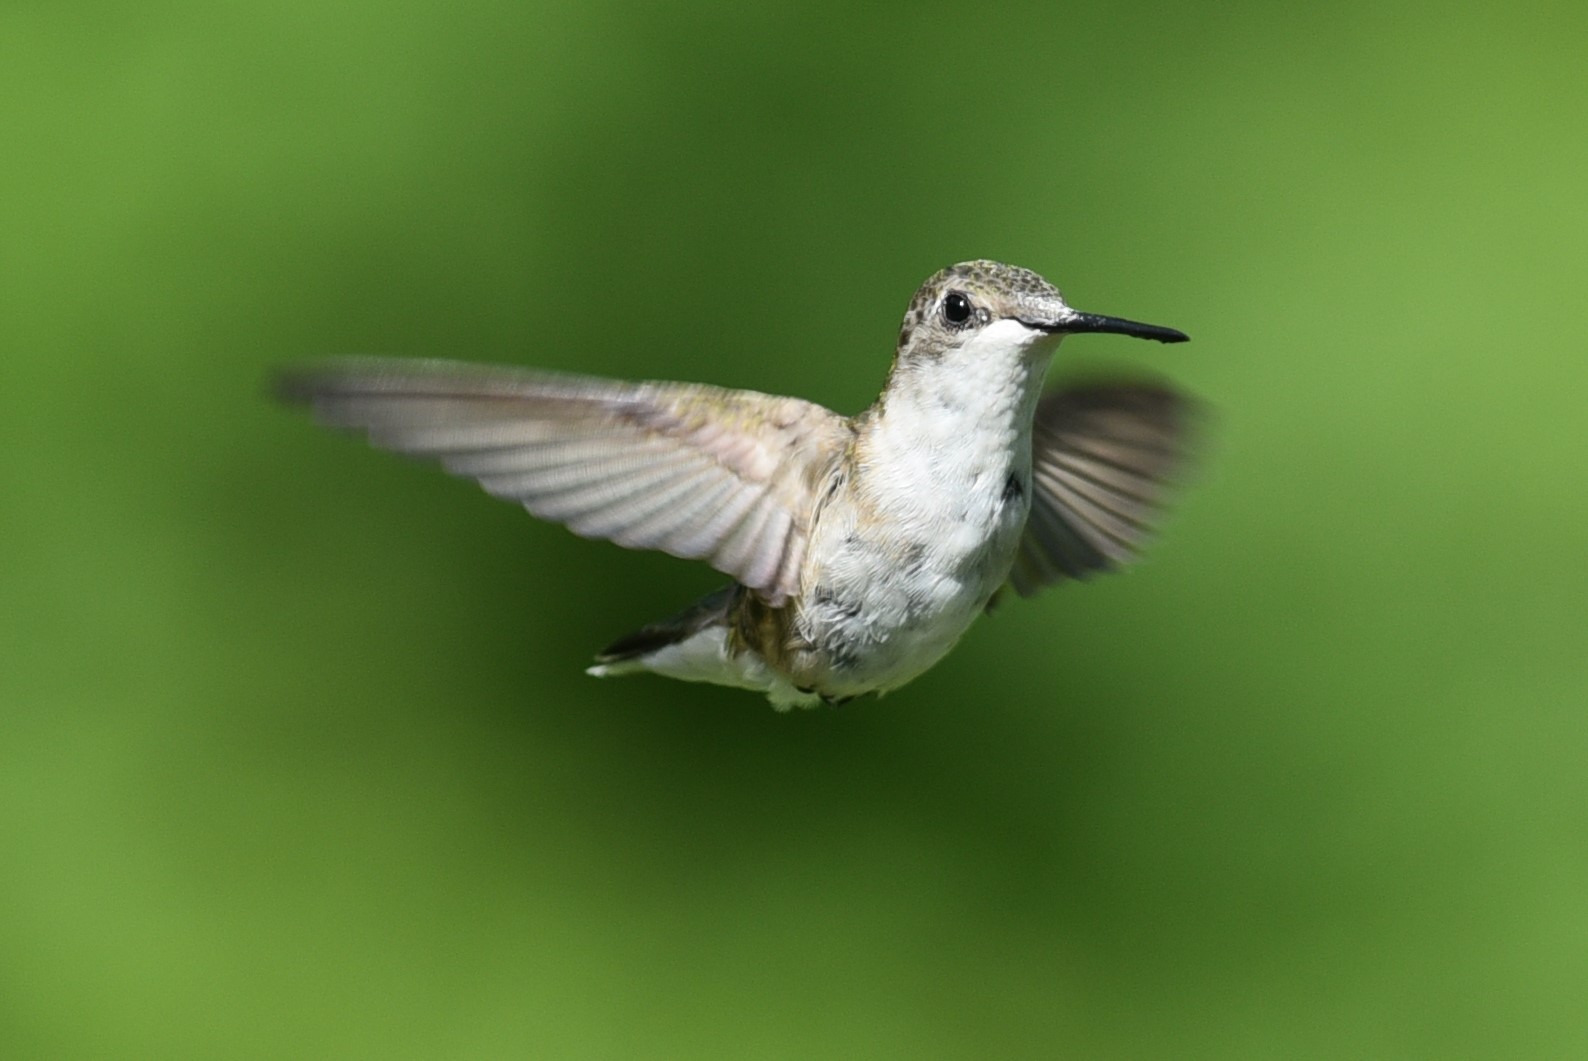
<point>1092,322</point>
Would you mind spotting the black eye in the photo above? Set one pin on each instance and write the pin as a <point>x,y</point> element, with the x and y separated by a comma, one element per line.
<point>956,308</point>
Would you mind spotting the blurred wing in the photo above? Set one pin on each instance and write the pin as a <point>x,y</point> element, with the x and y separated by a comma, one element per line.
<point>1104,457</point>
<point>729,477</point>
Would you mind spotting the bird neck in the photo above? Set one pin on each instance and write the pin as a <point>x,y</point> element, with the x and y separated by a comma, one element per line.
<point>950,427</point>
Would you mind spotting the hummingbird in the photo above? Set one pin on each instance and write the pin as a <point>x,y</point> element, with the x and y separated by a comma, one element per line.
<point>861,548</point>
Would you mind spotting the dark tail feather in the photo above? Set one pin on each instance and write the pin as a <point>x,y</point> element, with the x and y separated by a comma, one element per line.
<point>708,611</point>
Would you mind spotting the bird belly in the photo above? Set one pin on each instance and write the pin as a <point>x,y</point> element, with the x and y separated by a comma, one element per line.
<point>879,605</point>
<point>881,608</point>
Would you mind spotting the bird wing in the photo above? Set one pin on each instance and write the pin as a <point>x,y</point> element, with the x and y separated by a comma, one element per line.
<point>1104,457</point>
<point>727,476</point>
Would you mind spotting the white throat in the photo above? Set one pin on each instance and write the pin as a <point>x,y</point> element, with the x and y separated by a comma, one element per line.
<point>985,388</point>
<point>954,427</point>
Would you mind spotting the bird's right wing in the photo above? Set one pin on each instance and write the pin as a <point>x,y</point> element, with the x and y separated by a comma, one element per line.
<point>727,476</point>
<point>1104,457</point>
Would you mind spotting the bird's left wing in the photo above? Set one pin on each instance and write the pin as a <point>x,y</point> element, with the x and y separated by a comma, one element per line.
<point>728,476</point>
<point>1104,457</point>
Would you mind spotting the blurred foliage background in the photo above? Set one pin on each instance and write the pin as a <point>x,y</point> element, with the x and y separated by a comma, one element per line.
<point>296,754</point>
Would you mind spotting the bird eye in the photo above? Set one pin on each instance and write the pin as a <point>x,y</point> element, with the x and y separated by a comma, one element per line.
<point>956,308</point>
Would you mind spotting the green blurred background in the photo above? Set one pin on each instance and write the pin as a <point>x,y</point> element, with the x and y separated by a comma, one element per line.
<point>296,754</point>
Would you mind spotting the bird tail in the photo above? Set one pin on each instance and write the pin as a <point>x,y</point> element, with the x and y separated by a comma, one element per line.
<point>630,654</point>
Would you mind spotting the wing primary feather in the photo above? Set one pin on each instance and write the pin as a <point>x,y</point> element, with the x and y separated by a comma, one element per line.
<point>1137,484</point>
<point>623,517</point>
<point>1063,548</point>
<point>731,509</point>
<point>581,499</point>
<point>558,455</point>
<point>1106,534</point>
<point>566,481</point>
<point>773,549</point>
<point>740,549</point>
<point>1133,510</point>
<point>670,526</point>
<point>728,476</point>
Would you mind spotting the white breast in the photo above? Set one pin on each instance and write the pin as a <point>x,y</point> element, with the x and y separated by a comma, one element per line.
<point>906,555</point>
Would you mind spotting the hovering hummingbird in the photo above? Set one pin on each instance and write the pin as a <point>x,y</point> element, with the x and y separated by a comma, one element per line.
<point>861,547</point>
